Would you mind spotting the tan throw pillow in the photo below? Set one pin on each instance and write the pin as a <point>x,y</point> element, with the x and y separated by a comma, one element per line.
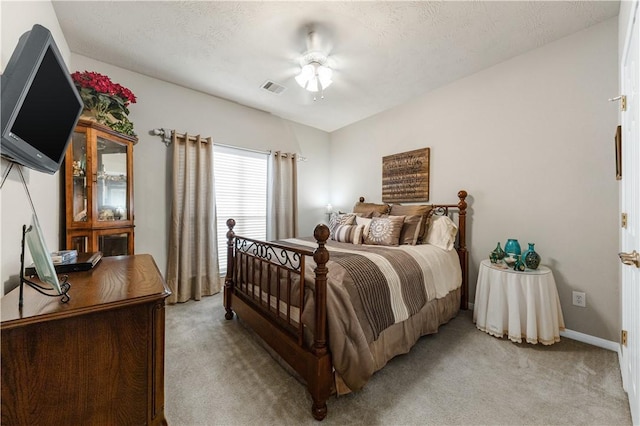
<point>369,208</point>
<point>422,209</point>
<point>411,229</point>
<point>367,214</point>
<point>384,231</point>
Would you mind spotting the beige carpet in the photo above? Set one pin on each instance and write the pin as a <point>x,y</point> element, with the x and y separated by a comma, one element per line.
<point>217,374</point>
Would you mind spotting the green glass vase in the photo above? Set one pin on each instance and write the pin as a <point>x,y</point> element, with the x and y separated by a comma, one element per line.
<point>497,254</point>
<point>531,258</point>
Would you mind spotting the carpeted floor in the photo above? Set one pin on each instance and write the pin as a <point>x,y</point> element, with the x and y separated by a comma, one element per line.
<point>217,374</point>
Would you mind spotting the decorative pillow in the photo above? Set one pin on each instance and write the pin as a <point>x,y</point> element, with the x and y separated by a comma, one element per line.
<point>347,233</point>
<point>369,208</point>
<point>365,222</point>
<point>442,232</point>
<point>358,236</point>
<point>411,229</point>
<point>341,219</point>
<point>422,209</point>
<point>384,231</point>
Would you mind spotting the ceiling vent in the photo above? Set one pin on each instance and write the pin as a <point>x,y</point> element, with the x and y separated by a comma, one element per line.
<point>273,87</point>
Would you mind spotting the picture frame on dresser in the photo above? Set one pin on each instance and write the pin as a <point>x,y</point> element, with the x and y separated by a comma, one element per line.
<point>40,254</point>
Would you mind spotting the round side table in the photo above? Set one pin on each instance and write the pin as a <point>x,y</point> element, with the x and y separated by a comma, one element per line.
<point>522,305</point>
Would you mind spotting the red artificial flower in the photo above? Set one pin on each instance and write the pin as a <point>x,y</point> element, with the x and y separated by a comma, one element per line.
<point>103,84</point>
<point>106,100</point>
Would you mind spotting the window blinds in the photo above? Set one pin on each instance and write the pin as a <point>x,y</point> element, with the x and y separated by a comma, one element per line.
<point>241,194</point>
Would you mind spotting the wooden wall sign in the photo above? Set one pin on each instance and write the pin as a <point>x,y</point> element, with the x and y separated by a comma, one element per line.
<point>405,177</point>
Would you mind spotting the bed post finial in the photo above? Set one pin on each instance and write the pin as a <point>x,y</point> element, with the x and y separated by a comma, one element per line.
<point>228,280</point>
<point>462,195</point>
<point>462,249</point>
<point>361,199</point>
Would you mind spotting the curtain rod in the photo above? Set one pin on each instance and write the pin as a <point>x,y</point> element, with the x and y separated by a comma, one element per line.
<point>166,135</point>
<point>257,151</point>
<point>166,139</point>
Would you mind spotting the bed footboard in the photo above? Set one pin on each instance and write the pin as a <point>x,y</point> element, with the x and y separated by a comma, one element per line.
<point>265,285</point>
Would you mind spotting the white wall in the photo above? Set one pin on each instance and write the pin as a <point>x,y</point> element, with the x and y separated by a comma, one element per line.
<point>16,19</point>
<point>531,140</point>
<point>164,105</point>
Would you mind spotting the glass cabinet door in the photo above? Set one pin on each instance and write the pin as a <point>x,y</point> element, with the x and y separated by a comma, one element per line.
<point>111,180</point>
<point>79,179</point>
<point>114,244</point>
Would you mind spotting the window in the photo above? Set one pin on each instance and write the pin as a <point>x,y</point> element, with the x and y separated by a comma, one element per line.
<point>241,194</point>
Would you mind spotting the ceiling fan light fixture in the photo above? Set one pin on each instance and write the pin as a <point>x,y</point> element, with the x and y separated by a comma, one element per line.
<point>306,75</point>
<point>324,75</point>
<point>315,74</point>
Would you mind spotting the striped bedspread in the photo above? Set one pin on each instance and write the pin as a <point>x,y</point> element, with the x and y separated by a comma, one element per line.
<point>391,289</point>
<point>370,288</point>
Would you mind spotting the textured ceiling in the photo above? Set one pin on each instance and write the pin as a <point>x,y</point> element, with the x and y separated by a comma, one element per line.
<point>383,53</point>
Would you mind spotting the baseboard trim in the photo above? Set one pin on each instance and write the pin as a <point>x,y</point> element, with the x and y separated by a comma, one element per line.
<point>585,338</point>
<point>591,340</point>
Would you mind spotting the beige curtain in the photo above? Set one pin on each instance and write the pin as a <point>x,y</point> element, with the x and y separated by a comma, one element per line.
<point>192,270</point>
<point>282,196</point>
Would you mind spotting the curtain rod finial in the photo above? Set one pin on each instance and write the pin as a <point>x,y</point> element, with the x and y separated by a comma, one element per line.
<point>166,135</point>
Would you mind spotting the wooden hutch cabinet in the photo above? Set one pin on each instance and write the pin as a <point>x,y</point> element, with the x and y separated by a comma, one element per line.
<point>98,191</point>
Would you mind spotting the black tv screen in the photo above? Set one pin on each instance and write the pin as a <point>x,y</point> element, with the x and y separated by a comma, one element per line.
<point>40,103</point>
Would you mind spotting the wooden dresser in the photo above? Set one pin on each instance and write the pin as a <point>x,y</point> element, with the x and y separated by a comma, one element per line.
<point>98,359</point>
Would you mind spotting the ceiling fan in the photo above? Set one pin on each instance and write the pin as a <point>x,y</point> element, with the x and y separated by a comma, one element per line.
<point>315,74</point>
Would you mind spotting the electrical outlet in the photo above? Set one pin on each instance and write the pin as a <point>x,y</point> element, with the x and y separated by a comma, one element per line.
<point>580,299</point>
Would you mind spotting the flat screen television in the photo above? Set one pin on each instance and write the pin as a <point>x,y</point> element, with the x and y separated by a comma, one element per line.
<point>40,103</point>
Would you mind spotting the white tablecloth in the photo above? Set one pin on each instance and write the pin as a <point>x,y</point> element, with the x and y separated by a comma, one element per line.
<point>522,305</point>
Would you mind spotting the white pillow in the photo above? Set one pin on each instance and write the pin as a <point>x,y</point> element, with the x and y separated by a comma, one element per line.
<point>442,232</point>
<point>365,222</point>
